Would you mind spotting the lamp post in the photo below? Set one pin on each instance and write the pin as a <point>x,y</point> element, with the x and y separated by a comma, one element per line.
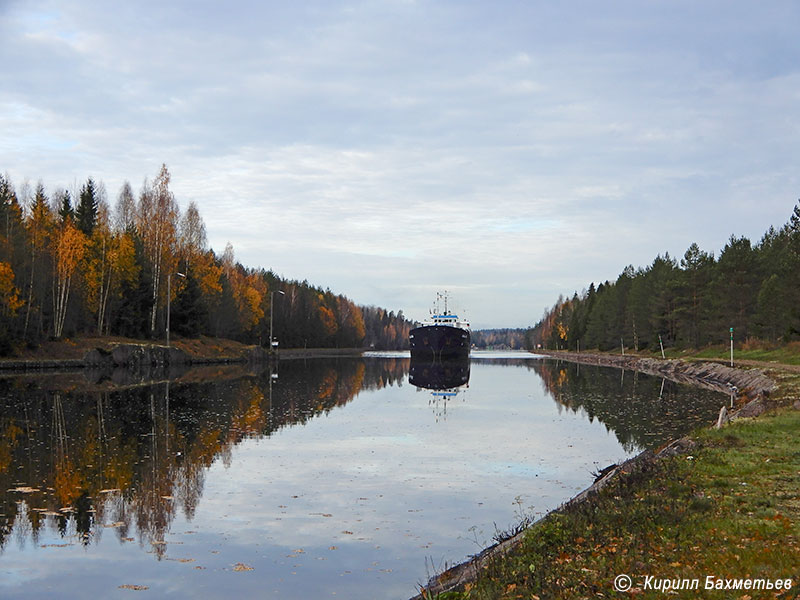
<point>169,297</point>
<point>271,304</point>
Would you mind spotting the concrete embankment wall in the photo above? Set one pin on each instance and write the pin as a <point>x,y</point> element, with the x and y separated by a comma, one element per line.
<point>749,383</point>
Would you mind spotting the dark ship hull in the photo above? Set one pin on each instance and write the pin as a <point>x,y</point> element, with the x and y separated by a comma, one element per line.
<point>435,342</point>
<point>439,375</point>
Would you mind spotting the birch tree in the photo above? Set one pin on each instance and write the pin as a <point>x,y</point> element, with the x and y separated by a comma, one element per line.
<point>70,249</point>
<point>157,220</point>
<point>192,240</point>
<point>195,256</point>
<point>110,262</point>
<point>125,209</point>
<point>248,290</point>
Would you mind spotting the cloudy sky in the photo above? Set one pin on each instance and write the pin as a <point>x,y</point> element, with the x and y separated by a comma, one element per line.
<point>505,151</point>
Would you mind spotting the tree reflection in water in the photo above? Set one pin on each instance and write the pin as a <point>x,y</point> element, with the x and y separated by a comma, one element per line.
<point>106,456</point>
<point>642,411</point>
<point>84,456</point>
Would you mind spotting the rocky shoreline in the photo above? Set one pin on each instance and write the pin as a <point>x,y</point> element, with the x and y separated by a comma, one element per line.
<point>746,384</point>
<point>750,389</point>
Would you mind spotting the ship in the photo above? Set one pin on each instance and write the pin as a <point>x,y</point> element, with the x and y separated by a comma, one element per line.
<point>445,379</point>
<point>445,375</point>
<point>443,336</point>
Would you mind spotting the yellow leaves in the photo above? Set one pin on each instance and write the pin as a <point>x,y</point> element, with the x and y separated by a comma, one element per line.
<point>249,293</point>
<point>7,443</point>
<point>123,257</point>
<point>207,274</point>
<point>250,417</point>
<point>327,386</point>
<point>352,319</point>
<point>328,320</point>
<point>70,249</point>
<point>9,294</point>
<point>67,481</point>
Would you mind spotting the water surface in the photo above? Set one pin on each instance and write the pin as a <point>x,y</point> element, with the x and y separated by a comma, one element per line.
<point>322,478</point>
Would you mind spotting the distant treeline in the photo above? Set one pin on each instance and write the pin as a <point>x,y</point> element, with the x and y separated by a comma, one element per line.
<point>513,339</point>
<point>71,264</point>
<point>755,289</point>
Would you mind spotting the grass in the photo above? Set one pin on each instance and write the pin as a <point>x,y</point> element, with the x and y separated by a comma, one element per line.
<point>730,510</point>
<point>749,350</point>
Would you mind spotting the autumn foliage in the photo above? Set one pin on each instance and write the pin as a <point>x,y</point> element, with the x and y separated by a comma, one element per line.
<point>72,264</point>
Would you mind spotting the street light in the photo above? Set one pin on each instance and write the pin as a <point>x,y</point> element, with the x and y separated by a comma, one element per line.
<point>271,304</point>
<point>169,297</point>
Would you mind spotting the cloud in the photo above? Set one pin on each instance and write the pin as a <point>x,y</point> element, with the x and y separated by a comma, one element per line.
<point>384,149</point>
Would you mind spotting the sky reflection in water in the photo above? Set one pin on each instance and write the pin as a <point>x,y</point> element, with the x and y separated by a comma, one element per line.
<point>338,478</point>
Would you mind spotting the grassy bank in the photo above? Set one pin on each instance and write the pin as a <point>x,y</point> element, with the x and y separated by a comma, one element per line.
<point>747,351</point>
<point>787,354</point>
<point>727,509</point>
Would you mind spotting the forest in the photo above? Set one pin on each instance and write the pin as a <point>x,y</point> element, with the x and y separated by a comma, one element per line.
<point>750,289</point>
<point>499,339</point>
<point>71,264</point>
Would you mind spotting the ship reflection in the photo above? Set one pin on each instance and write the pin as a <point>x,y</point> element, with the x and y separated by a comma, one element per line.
<point>446,379</point>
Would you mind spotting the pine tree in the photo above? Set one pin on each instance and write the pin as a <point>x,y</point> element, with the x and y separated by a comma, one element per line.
<point>188,313</point>
<point>86,211</point>
<point>65,211</point>
<point>696,272</point>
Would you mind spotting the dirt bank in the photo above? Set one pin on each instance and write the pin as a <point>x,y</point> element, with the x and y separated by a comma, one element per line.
<point>100,352</point>
<point>751,389</point>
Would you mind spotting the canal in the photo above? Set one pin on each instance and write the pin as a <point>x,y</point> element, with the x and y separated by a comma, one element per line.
<point>316,478</point>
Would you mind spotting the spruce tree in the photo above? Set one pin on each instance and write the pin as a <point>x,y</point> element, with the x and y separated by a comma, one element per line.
<point>86,211</point>
<point>66,211</point>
